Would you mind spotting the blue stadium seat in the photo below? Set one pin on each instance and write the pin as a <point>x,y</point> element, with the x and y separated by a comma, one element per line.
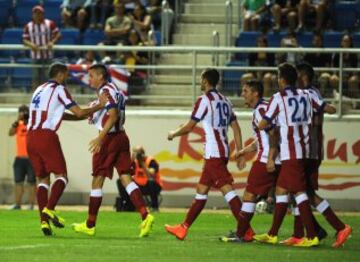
<point>247,39</point>
<point>5,10</point>
<point>231,78</point>
<point>356,39</point>
<point>21,77</point>
<point>69,36</point>
<point>274,39</point>
<point>22,11</point>
<point>93,37</point>
<point>332,39</point>
<point>52,10</point>
<point>12,36</point>
<point>305,39</point>
<point>347,15</point>
<point>158,37</point>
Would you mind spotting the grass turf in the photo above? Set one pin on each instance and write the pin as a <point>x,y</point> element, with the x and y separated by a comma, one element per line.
<point>117,239</point>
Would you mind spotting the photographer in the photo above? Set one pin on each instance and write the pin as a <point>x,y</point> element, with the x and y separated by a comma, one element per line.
<point>22,165</point>
<point>147,175</point>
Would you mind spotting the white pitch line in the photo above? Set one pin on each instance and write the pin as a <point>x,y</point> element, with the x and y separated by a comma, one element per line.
<point>24,247</point>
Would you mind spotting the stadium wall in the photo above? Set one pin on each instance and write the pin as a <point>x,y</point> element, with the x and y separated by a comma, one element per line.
<point>181,160</point>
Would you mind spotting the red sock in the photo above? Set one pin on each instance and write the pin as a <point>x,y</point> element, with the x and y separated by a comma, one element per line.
<point>94,206</point>
<point>137,199</point>
<point>306,214</point>
<point>234,203</point>
<point>197,206</point>
<point>298,227</point>
<point>330,216</point>
<point>42,199</point>
<point>246,214</point>
<point>57,189</point>
<point>279,214</point>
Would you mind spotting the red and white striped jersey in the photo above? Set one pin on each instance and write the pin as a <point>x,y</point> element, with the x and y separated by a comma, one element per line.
<point>261,136</point>
<point>216,113</point>
<point>47,106</point>
<point>293,109</point>
<point>316,133</point>
<point>116,99</point>
<point>40,34</point>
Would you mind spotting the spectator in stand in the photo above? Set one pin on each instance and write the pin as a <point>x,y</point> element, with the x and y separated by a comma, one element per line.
<point>117,30</point>
<point>317,7</point>
<point>261,59</point>
<point>252,11</point>
<point>141,21</point>
<point>40,35</point>
<point>135,57</point>
<point>88,59</point>
<point>284,8</point>
<point>350,80</point>
<point>154,9</point>
<point>320,60</point>
<point>76,13</point>
<point>22,165</point>
<point>289,41</point>
<point>100,11</point>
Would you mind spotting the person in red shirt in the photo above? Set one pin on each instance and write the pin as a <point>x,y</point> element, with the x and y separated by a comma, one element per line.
<point>22,165</point>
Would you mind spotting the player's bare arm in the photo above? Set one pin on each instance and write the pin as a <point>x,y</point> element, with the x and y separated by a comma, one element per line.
<point>330,109</point>
<point>241,162</point>
<point>252,147</point>
<point>182,130</point>
<point>264,124</point>
<point>274,137</point>
<point>95,144</point>
<point>83,113</point>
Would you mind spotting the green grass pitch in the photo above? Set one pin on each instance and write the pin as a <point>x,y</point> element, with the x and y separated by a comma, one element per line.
<point>116,240</point>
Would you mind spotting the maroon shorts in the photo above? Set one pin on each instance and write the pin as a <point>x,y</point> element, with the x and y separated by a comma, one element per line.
<point>45,153</point>
<point>114,152</point>
<point>312,173</point>
<point>259,181</point>
<point>215,173</point>
<point>292,175</point>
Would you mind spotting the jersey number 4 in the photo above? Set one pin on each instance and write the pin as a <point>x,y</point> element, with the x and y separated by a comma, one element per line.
<point>224,114</point>
<point>36,100</point>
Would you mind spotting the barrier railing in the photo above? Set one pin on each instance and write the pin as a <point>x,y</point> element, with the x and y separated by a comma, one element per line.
<point>195,63</point>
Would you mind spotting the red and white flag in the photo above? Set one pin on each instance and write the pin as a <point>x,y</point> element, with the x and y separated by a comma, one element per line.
<point>119,75</point>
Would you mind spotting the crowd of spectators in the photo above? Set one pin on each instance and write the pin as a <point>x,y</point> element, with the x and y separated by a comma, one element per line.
<point>297,17</point>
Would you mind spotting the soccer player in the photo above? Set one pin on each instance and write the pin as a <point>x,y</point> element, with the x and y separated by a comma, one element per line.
<point>292,108</point>
<point>259,181</point>
<point>215,111</point>
<point>111,148</point>
<point>47,107</point>
<point>305,77</point>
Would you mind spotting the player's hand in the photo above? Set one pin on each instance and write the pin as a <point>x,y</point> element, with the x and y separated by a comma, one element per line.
<point>171,135</point>
<point>241,163</point>
<point>240,153</point>
<point>103,99</point>
<point>95,145</point>
<point>270,166</point>
<point>34,48</point>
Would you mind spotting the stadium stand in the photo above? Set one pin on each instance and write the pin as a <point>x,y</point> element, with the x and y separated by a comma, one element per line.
<point>5,10</point>
<point>11,36</point>
<point>22,11</point>
<point>52,10</point>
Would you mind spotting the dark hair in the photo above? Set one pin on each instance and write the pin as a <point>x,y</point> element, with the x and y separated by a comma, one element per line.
<point>57,68</point>
<point>101,69</point>
<point>256,86</point>
<point>212,76</point>
<point>307,69</point>
<point>288,73</point>
<point>23,108</point>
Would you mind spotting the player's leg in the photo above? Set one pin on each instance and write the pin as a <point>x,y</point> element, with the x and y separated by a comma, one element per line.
<point>180,231</point>
<point>232,199</point>
<point>95,199</point>
<point>343,231</point>
<point>42,200</point>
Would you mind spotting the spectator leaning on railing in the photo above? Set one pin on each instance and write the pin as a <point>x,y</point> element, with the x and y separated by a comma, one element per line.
<point>40,35</point>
